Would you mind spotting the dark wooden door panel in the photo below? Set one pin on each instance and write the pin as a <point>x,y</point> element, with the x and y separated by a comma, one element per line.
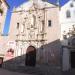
<point>73,59</point>
<point>30,56</point>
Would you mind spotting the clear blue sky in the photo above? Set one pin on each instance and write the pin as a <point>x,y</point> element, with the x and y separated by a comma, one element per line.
<point>15,3</point>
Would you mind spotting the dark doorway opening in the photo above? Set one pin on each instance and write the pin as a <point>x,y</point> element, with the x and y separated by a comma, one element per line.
<point>30,56</point>
<point>72,59</point>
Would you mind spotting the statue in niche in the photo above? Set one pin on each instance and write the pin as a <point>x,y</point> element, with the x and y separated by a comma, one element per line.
<point>33,21</point>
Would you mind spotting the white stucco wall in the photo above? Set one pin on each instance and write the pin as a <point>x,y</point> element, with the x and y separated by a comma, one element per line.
<point>65,22</point>
<point>66,25</point>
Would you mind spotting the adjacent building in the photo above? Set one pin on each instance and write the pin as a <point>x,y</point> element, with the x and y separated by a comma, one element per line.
<point>3,11</point>
<point>67,22</point>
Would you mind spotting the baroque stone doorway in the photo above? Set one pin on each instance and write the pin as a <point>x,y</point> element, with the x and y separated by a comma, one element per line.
<point>30,56</point>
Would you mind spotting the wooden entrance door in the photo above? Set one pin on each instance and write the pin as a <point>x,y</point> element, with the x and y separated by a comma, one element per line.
<point>30,56</point>
<point>72,59</point>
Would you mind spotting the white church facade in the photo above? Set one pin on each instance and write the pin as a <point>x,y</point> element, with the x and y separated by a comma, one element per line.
<point>35,24</point>
<point>42,32</point>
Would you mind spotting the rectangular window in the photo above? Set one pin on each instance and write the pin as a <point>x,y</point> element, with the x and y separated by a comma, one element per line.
<point>17,25</point>
<point>49,23</point>
<point>68,14</point>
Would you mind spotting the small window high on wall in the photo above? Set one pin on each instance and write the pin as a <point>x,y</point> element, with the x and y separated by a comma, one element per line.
<point>49,23</point>
<point>71,5</point>
<point>68,14</point>
<point>17,25</point>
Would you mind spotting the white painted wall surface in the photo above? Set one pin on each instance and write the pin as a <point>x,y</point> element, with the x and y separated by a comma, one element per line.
<point>66,25</point>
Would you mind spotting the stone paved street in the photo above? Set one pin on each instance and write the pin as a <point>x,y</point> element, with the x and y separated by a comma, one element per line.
<point>38,70</point>
<point>71,72</point>
<point>6,72</point>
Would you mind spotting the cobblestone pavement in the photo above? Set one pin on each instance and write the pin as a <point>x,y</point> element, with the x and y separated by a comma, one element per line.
<point>6,72</point>
<point>44,69</point>
<point>70,72</point>
<point>38,70</point>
